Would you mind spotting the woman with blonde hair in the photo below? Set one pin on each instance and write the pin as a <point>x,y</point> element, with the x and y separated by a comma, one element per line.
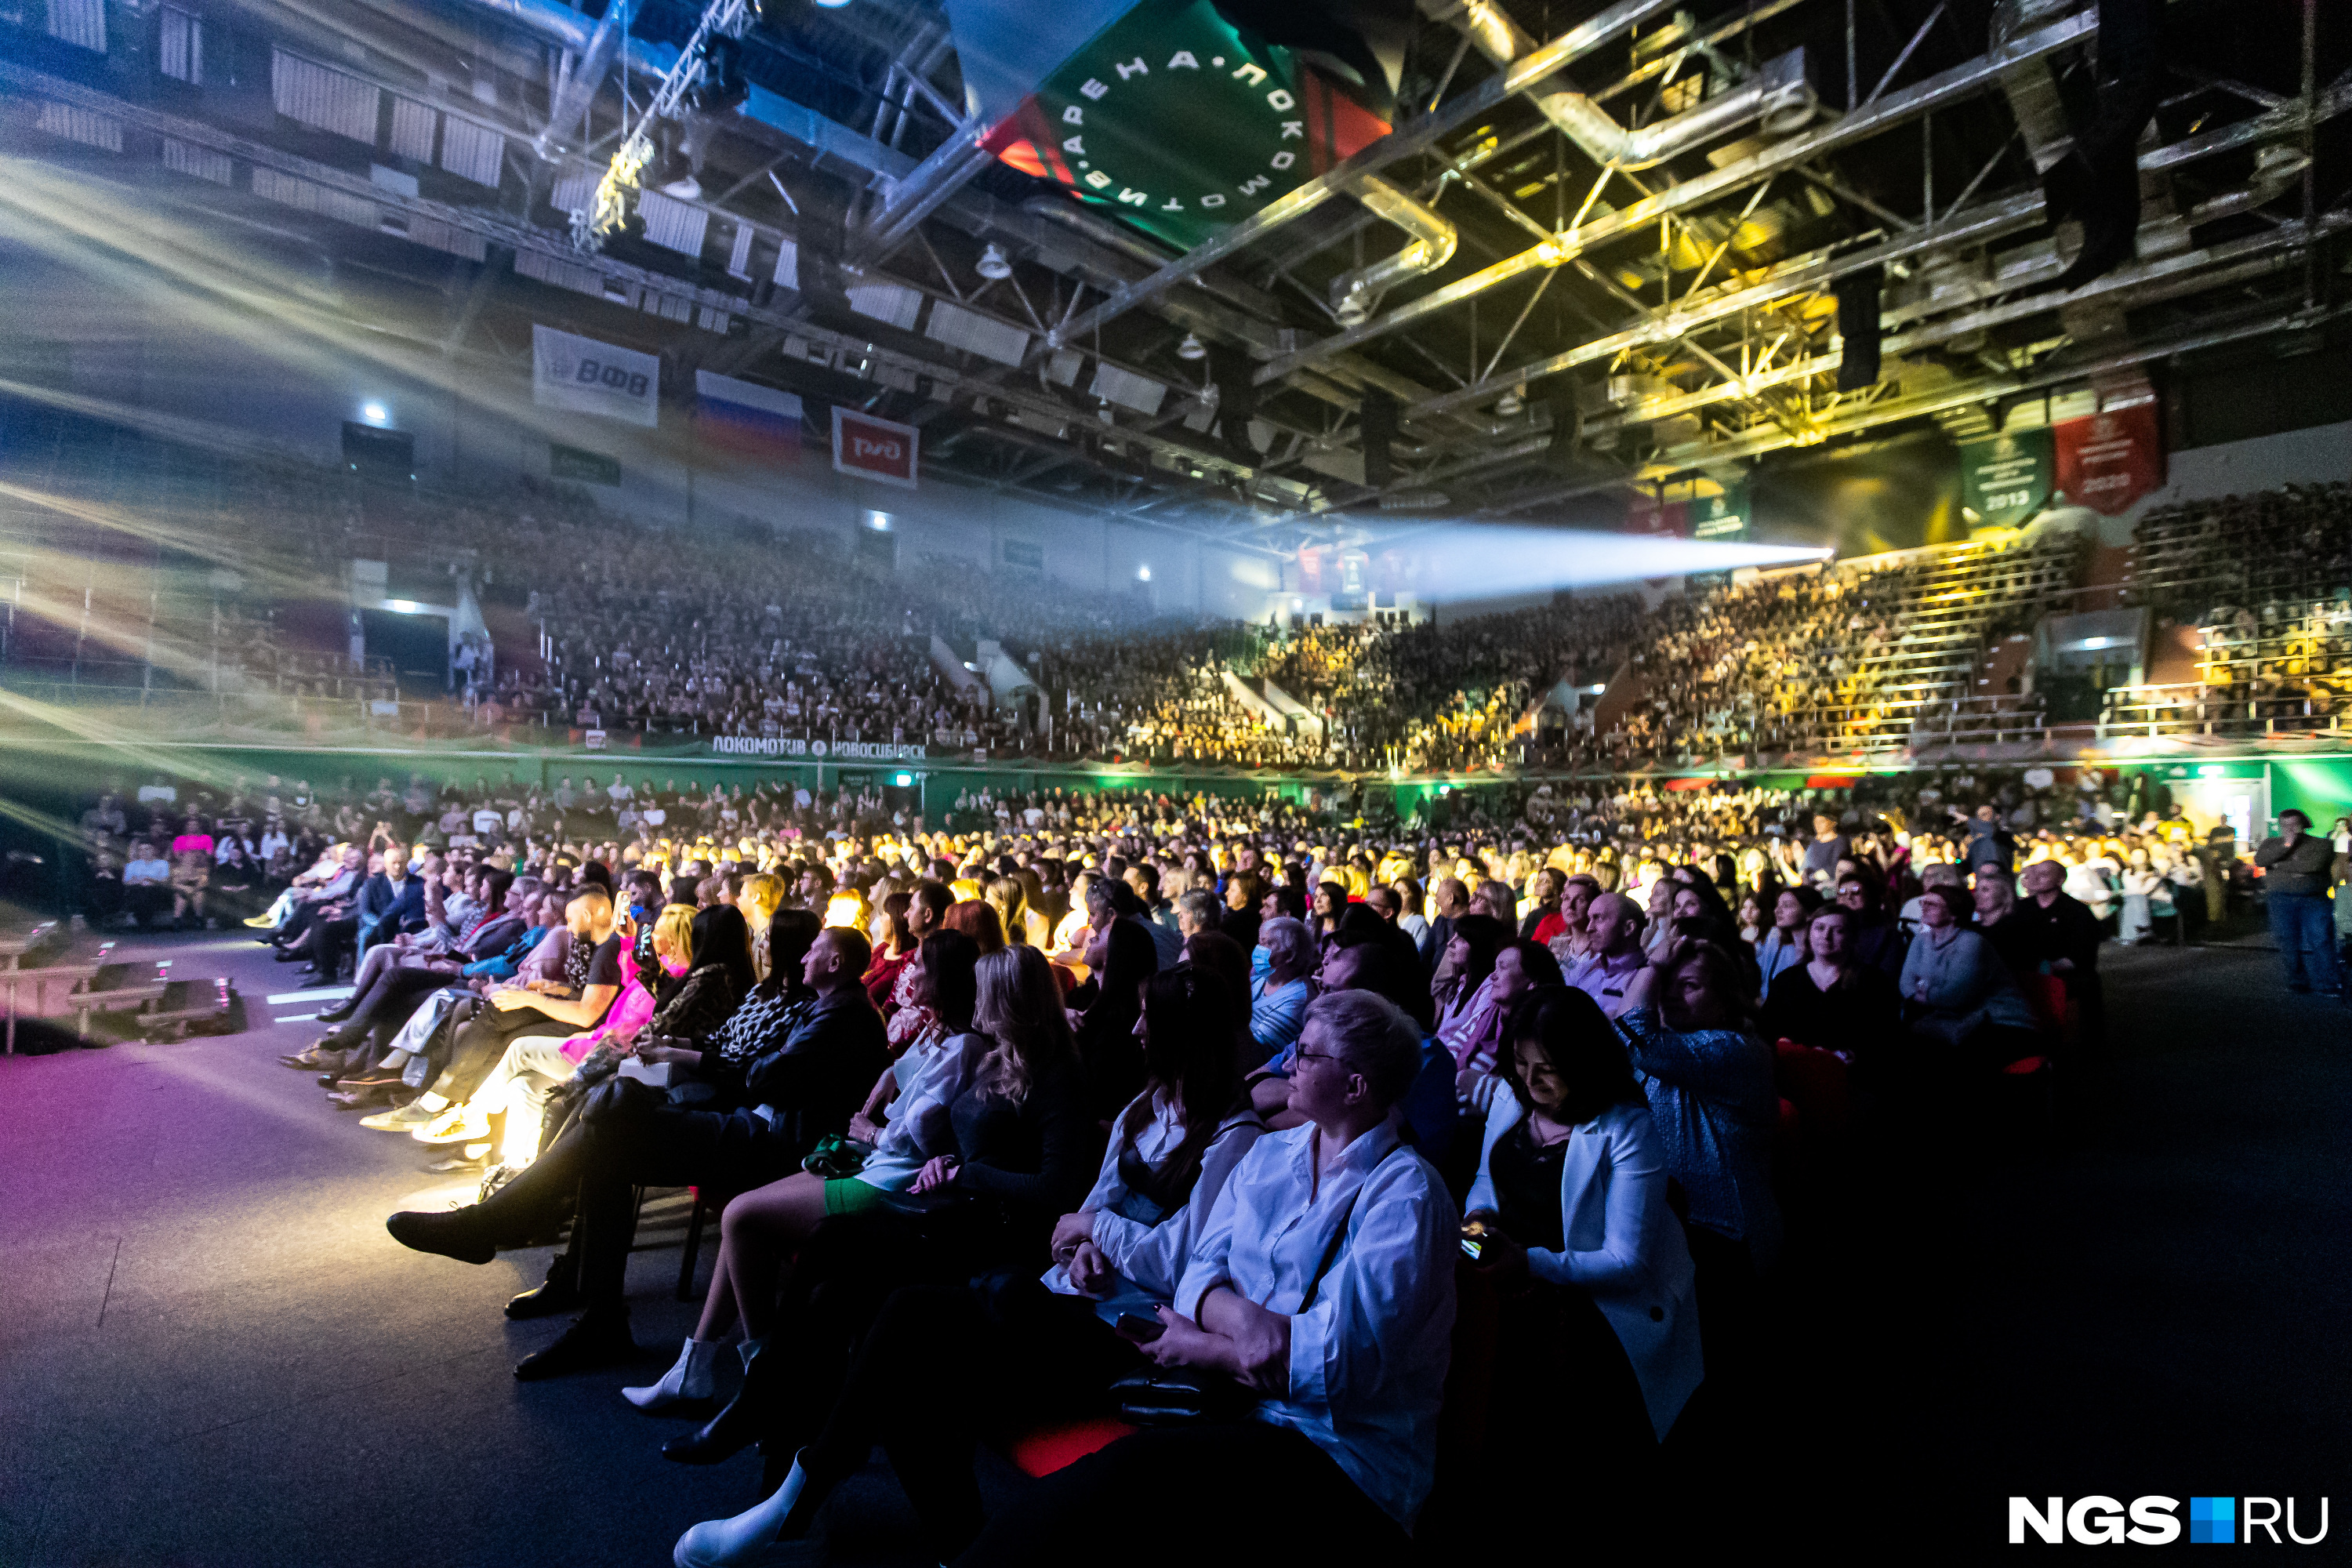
<point>1010,900</point>
<point>760,898</point>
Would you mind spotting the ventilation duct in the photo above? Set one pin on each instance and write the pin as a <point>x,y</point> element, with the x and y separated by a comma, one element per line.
<point>2032,91</point>
<point>1779,95</point>
<point>1355,294</point>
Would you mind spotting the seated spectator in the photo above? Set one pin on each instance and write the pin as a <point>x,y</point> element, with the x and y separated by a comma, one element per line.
<point>1830,1002</point>
<point>1615,927</point>
<point>146,886</point>
<point>943,1362</point>
<point>1784,946</point>
<point>806,1087</point>
<point>1959,997</point>
<point>902,1125</point>
<point>1023,1147</point>
<point>1875,941</point>
<point>1279,987</point>
<point>1598,1321</point>
<point>2065,942</point>
<point>1122,955</point>
<point>1323,1282</point>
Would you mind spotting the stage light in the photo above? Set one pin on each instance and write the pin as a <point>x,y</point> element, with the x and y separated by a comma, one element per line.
<point>992,261</point>
<point>1191,347</point>
<point>879,521</point>
<point>374,414</point>
<point>1143,573</point>
<point>902,780</point>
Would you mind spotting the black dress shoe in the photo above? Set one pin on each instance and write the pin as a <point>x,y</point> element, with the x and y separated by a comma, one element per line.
<point>289,955</point>
<point>725,1434</point>
<point>454,1234</point>
<point>546,1301</point>
<point>597,1338</point>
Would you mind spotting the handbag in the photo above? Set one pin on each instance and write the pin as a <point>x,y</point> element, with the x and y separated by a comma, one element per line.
<point>1194,1396</point>
<point>836,1158</point>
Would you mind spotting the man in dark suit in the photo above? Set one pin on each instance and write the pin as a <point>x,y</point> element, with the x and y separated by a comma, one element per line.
<point>2066,937</point>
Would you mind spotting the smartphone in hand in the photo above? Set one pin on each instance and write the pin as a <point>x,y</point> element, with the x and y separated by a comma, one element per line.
<point>1140,1329</point>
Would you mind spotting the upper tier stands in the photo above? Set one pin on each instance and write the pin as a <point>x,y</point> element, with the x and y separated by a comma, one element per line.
<point>132,575</point>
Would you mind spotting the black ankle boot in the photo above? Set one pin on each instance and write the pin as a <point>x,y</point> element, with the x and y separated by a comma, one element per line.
<point>560,1292</point>
<point>598,1337</point>
<point>722,1436</point>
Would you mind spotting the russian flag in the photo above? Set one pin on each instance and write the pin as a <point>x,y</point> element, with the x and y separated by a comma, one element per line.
<point>743,418</point>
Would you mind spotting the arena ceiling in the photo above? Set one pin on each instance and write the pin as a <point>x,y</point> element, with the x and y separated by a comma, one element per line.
<point>1554,252</point>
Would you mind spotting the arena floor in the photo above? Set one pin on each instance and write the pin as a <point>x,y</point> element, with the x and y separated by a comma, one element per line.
<point>216,1357</point>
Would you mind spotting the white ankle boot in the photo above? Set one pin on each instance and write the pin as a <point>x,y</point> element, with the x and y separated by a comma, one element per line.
<point>733,1543</point>
<point>691,1378</point>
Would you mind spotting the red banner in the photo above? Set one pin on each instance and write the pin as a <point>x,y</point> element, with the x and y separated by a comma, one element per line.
<point>874,448</point>
<point>1644,514</point>
<point>2109,460</point>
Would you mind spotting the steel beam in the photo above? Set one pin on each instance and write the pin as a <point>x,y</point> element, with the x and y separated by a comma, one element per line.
<point>1953,86</point>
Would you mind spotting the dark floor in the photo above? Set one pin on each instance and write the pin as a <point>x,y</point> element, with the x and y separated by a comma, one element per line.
<point>214,1356</point>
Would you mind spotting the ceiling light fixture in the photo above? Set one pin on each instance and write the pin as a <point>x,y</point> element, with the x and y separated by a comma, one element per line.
<point>992,262</point>
<point>1191,347</point>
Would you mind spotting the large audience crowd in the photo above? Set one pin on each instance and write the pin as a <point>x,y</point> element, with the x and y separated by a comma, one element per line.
<point>595,624</point>
<point>1249,1127</point>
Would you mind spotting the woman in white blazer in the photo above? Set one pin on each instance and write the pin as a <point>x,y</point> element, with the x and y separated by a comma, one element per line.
<point>1572,1191</point>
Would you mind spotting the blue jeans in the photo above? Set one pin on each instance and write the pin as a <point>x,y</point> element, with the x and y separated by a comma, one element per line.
<point>2304,929</point>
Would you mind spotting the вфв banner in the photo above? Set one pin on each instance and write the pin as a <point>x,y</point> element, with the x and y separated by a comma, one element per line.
<point>589,377</point>
<point>874,448</point>
<point>2111,460</point>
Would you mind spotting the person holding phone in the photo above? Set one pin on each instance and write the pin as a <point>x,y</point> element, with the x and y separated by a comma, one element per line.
<point>1571,1220</point>
<point>939,1359</point>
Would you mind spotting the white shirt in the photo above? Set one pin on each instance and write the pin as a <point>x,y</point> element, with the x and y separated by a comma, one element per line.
<point>1368,1361</point>
<point>1145,1249</point>
<point>931,1080</point>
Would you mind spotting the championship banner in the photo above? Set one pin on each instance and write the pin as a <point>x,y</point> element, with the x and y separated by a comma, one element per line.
<point>2006,479</point>
<point>874,448</point>
<point>589,377</point>
<point>2109,460</point>
<point>1168,115</point>
<point>1722,515</point>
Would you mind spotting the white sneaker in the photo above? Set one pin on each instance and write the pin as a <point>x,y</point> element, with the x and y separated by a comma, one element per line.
<point>690,1381</point>
<point>458,1124</point>
<point>407,1118</point>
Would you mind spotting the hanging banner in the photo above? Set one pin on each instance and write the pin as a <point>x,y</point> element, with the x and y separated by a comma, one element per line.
<point>874,448</point>
<point>2109,460</point>
<point>2005,480</point>
<point>589,377</point>
<point>1722,515</point>
<point>1166,115</point>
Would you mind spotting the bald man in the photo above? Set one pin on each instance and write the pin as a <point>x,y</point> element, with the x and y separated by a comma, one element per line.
<point>1614,927</point>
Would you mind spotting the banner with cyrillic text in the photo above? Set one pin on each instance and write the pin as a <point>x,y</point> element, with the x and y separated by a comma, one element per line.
<point>586,376</point>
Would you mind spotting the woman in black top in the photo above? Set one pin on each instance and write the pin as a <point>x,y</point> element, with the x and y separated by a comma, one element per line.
<point>1108,1056</point>
<point>1830,1002</point>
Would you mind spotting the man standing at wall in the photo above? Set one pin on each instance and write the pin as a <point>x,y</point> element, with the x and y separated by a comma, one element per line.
<point>2296,867</point>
